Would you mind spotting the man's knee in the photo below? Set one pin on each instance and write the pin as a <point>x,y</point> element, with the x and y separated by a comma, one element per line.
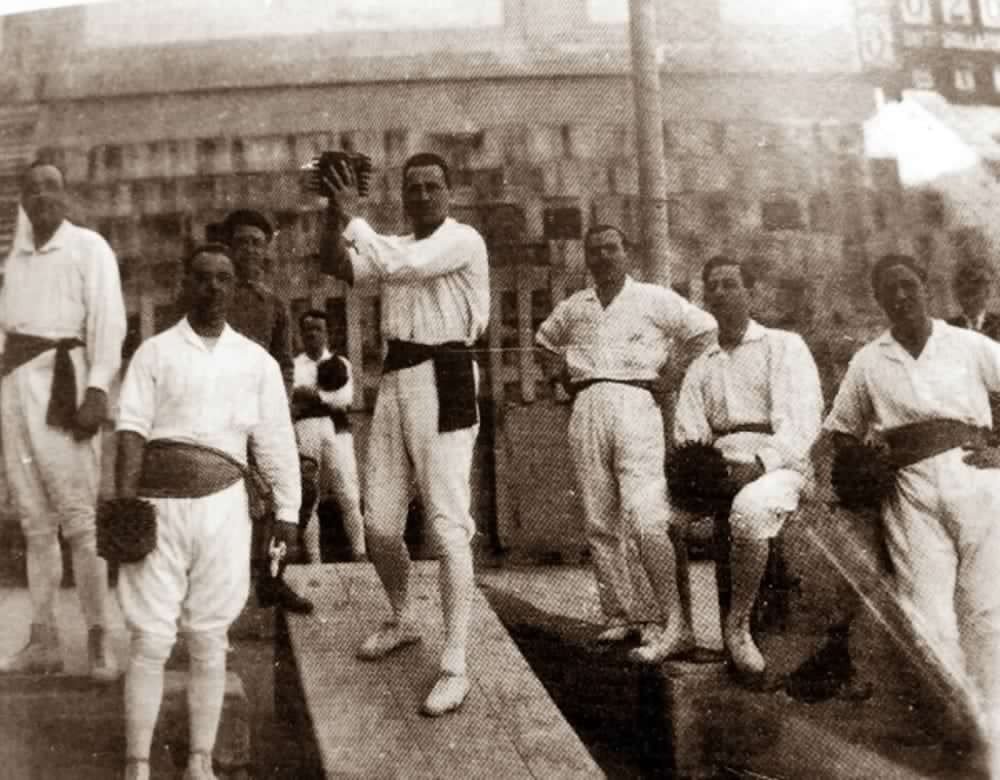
<point>751,517</point>
<point>208,649</point>
<point>451,537</point>
<point>647,510</point>
<point>41,541</point>
<point>82,539</point>
<point>149,649</point>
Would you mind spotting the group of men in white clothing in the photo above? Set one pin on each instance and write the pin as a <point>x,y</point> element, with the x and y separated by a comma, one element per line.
<point>201,404</point>
<point>922,388</point>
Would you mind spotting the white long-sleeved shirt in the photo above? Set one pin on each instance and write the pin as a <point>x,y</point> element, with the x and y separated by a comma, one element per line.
<point>885,386</point>
<point>770,377</point>
<point>69,288</point>
<point>305,376</point>
<point>631,339</point>
<point>434,289</point>
<point>178,388</point>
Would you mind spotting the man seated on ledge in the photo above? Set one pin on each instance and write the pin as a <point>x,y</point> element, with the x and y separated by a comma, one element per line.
<point>756,397</point>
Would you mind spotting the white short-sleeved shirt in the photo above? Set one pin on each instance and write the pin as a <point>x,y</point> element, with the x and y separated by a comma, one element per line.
<point>770,377</point>
<point>434,289</point>
<point>630,340</point>
<point>885,386</point>
<point>224,397</point>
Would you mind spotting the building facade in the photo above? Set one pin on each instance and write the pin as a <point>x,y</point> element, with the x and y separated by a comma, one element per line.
<point>163,126</point>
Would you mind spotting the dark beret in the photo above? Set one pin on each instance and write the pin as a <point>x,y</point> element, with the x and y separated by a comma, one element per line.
<point>246,217</point>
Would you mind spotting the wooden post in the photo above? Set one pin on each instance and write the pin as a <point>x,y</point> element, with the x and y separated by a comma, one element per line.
<point>649,141</point>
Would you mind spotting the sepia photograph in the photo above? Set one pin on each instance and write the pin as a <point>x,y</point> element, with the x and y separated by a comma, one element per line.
<point>499,389</point>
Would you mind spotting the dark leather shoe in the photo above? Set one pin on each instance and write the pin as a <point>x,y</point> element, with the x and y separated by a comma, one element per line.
<point>828,673</point>
<point>275,592</point>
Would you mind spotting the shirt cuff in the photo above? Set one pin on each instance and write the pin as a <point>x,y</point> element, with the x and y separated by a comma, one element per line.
<point>100,376</point>
<point>545,344</point>
<point>770,458</point>
<point>287,516</point>
<point>133,426</point>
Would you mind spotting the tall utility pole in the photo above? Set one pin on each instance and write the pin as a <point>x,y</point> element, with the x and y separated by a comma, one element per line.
<point>649,142</point>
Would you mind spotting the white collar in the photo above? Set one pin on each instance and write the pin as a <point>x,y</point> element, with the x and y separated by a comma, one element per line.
<point>591,292</point>
<point>188,334</point>
<point>327,354</point>
<point>895,351</point>
<point>26,244</point>
<point>754,332</point>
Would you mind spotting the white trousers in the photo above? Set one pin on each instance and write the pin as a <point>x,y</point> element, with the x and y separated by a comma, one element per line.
<point>335,456</point>
<point>943,534</point>
<point>198,577</point>
<point>617,448</point>
<point>52,478</point>
<point>404,445</point>
<point>761,508</point>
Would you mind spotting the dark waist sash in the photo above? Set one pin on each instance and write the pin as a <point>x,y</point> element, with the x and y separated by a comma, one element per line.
<point>909,444</point>
<point>744,428</point>
<point>174,469</point>
<point>454,377</point>
<point>341,422</point>
<point>575,388</point>
<point>21,347</point>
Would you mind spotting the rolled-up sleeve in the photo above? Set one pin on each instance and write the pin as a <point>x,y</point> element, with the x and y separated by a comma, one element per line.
<point>690,420</point>
<point>796,406</point>
<point>273,444</point>
<point>137,401</point>
<point>552,334</point>
<point>852,408</point>
<point>106,322</point>
<point>393,258</point>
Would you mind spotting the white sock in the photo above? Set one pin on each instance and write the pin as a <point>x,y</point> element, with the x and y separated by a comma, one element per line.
<point>45,571</point>
<point>206,689</point>
<point>91,575</point>
<point>143,693</point>
<point>456,581</point>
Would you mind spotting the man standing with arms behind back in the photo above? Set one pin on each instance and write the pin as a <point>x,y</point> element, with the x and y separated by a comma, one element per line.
<point>435,304</point>
<point>62,319</point>
<point>328,440</point>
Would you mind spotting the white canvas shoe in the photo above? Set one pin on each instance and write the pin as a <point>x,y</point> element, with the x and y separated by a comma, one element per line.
<point>448,694</point>
<point>390,637</point>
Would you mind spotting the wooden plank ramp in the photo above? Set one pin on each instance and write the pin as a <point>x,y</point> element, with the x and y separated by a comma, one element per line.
<point>363,718</point>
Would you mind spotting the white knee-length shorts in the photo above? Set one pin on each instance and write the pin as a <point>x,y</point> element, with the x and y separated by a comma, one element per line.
<point>198,577</point>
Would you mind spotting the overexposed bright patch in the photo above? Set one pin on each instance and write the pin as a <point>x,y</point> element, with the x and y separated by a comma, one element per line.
<point>22,6</point>
<point>140,22</point>
<point>924,147</point>
<point>799,13</point>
